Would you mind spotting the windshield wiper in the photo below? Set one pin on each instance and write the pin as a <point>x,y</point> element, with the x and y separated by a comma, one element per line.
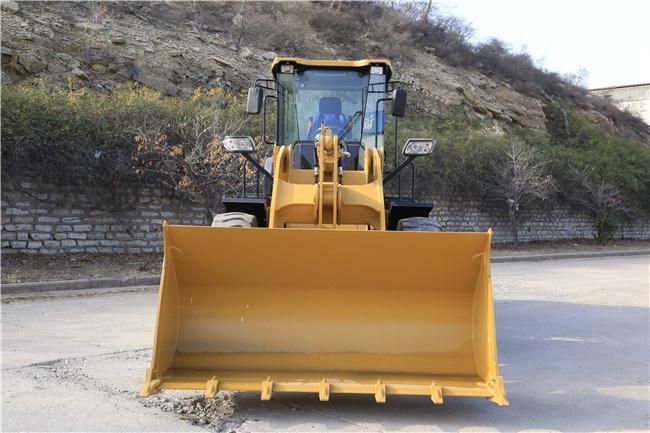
<point>351,123</point>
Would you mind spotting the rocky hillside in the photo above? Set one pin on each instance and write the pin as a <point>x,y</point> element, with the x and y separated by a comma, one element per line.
<point>177,47</point>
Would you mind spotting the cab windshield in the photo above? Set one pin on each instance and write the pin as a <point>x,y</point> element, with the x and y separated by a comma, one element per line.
<point>337,98</point>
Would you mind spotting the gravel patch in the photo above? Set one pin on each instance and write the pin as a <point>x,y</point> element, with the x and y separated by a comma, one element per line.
<point>216,414</point>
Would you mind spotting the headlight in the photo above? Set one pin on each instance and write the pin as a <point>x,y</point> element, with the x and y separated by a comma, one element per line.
<point>286,69</point>
<point>239,144</point>
<point>418,146</point>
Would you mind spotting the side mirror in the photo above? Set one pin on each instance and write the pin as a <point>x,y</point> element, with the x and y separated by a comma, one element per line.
<point>418,146</point>
<point>399,103</point>
<point>255,99</point>
<point>239,144</point>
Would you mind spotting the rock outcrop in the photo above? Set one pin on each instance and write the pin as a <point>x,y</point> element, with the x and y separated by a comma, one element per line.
<point>101,45</point>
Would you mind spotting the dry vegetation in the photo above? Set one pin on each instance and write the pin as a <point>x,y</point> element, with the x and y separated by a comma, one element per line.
<point>396,30</point>
<point>131,136</point>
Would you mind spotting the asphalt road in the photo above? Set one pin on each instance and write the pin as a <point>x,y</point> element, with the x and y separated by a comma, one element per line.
<point>573,347</point>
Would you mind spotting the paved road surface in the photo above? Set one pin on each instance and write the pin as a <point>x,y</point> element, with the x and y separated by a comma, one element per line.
<point>573,346</point>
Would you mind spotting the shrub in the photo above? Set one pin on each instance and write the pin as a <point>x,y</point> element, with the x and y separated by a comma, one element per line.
<point>133,135</point>
<point>602,200</point>
<point>458,164</point>
<point>461,162</point>
<point>576,141</point>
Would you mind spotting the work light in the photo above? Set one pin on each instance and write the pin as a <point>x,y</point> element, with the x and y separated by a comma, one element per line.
<point>239,144</point>
<point>418,146</point>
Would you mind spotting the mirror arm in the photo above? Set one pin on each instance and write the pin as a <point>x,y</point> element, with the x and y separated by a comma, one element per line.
<point>377,120</point>
<point>257,165</point>
<point>265,83</point>
<point>264,118</point>
<point>401,167</point>
<point>393,84</point>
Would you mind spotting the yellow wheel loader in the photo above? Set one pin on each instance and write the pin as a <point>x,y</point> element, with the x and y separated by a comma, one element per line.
<point>317,282</point>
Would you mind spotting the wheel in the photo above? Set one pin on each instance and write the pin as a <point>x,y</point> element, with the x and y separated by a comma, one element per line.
<point>234,219</point>
<point>418,224</point>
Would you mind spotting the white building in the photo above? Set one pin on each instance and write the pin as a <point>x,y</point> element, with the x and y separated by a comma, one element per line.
<point>634,99</point>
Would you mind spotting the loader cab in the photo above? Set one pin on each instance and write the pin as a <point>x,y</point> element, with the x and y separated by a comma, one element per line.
<point>348,100</point>
<point>328,166</point>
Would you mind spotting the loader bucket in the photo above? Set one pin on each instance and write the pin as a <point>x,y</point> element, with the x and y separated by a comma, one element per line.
<point>325,312</point>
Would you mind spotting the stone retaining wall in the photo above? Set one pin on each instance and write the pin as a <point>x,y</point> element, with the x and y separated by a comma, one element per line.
<point>553,222</point>
<point>42,218</point>
<point>38,217</point>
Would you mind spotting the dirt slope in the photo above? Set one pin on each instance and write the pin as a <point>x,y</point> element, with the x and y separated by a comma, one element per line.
<point>175,48</point>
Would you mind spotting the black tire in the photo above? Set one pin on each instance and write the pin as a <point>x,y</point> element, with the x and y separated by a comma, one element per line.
<point>234,219</point>
<point>418,224</point>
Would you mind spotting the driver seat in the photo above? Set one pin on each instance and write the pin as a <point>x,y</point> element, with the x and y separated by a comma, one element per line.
<point>329,111</point>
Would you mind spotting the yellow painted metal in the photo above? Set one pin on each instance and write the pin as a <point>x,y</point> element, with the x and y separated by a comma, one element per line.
<point>355,199</point>
<point>326,312</point>
<point>331,63</point>
<point>325,300</point>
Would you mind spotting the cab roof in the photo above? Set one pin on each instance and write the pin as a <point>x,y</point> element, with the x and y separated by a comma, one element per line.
<point>331,63</point>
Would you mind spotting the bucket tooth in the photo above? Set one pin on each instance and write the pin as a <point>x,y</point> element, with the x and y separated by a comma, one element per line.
<point>499,392</point>
<point>267,389</point>
<point>436,393</point>
<point>211,387</point>
<point>380,392</point>
<point>324,391</point>
<point>151,385</point>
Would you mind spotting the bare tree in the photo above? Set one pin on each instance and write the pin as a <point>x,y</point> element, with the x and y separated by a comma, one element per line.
<point>197,14</point>
<point>518,176</point>
<point>416,10</point>
<point>427,11</point>
<point>98,13</point>
<point>579,78</point>
<point>602,200</point>
<point>242,24</point>
<point>187,155</point>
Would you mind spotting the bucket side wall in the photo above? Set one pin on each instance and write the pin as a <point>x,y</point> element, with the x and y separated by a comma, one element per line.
<point>167,318</point>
